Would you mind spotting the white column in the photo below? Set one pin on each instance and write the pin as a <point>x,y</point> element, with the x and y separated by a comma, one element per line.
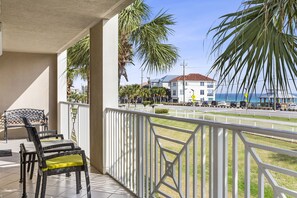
<point>62,90</point>
<point>62,76</point>
<point>103,84</point>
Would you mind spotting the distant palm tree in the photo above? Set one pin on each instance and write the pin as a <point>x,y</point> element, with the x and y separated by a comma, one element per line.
<point>78,62</point>
<point>139,36</point>
<point>162,93</point>
<point>257,43</point>
<point>144,93</point>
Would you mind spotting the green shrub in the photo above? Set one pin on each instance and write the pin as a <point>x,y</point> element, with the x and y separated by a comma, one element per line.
<point>145,103</point>
<point>161,111</point>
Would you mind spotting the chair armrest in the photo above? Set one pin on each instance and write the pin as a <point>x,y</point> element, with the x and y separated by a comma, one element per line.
<point>53,136</point>
<point>71,145</point>
<point>48,132</point>
<point>74,152</point>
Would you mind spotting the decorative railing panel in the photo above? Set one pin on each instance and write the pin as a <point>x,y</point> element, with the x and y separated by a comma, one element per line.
<point>74,124</point>
<point>163,156</point>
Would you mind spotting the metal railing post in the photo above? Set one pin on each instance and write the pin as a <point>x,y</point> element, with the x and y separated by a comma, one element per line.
<point>139,155</point>
<point>218,147</point>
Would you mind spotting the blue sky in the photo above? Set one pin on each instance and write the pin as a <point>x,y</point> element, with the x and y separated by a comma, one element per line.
<point>193,20</point>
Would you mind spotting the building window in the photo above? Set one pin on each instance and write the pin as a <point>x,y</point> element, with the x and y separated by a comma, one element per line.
<point>202,92</point>
<point>210,85</point>
<point>209,92</point>
<point>186,84</point>
<point>210,99</point>
<point>181,92</point>
<point>201,83</point>
<point>174,92</point>
<point>174,84</point>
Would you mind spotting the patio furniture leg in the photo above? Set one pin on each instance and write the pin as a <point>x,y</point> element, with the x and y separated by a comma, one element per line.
<point>5,134</point>
<point>88,182</point>
<point>24,176</point>
<point>79,174</point>
<point>32,168</point>
<point>29,163</point>
<point>43,186</point>
<point>77,182</point>
<point>37,185</point>
<point>21,167</point>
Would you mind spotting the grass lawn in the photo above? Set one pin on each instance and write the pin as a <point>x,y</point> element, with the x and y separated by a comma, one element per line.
<point>266,156</point>
<point>293,120</point>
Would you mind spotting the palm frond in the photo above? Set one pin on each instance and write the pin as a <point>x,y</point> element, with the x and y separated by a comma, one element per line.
<point>258,40</point>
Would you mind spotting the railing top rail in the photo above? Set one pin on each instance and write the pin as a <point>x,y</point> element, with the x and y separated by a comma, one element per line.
<point>73,103</point>
<point>234,127</point>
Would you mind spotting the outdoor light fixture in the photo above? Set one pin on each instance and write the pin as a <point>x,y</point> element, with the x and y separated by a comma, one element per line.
<point>1,40</point>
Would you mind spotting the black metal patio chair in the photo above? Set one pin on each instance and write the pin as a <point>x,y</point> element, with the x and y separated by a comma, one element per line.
<point>44,136</point>
<point>58,163</point>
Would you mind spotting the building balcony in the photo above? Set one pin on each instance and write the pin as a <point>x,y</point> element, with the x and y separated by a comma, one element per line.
<point>57,186</point>
<point>154,155</point>
<point>210,94</point>
<point>148,155</point>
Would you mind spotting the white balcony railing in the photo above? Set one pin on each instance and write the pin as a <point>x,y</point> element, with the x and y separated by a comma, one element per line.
<point>74,124</point>
<point>163,156</point>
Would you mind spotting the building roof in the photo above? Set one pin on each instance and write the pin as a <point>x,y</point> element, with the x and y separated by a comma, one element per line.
<point>168,78</point>
<point>193,77</point>
<point>155,80</point>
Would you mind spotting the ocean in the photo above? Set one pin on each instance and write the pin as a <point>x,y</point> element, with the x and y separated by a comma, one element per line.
<point>228,97</point>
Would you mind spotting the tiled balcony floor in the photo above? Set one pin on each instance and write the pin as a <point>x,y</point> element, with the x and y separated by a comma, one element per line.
<point>102,186</point>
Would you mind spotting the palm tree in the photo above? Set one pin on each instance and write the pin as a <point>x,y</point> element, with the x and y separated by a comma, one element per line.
<point>144,93</point>
<point>78,61</point>
<point>258,41</point>
<point>162,93</point>
<point>146,37</point>
<point>154,93</point>
<point>138,37</point>
<point>135,92</point>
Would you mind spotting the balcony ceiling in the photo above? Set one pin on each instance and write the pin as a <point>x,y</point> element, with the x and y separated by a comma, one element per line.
<point>51,26</point>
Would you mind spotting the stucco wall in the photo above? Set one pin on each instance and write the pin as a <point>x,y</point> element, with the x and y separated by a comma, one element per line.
<point>29,80</point>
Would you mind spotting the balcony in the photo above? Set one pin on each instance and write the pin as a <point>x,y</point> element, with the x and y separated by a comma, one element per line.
<point>57,186</point>
<point>177,157</point>
<point>209,94</point>
<point>149,155</point>
<point>164,156</point>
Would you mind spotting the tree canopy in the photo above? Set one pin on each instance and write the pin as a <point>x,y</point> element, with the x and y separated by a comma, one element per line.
<point>256,44</point>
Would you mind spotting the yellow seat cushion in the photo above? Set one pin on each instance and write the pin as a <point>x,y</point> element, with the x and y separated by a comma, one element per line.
<point>63,162</point>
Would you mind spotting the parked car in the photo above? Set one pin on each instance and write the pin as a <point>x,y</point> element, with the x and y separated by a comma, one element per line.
<point>292,106</point>
<point>198,103</point>
<point>204,103</point>
<point>234,104</point>
<point>242,104</point>
<point>222,104</point>
<point>214,103</point>
<point>278,105</point>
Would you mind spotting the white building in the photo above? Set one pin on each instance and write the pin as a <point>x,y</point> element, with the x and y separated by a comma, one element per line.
<point>202,87</point>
